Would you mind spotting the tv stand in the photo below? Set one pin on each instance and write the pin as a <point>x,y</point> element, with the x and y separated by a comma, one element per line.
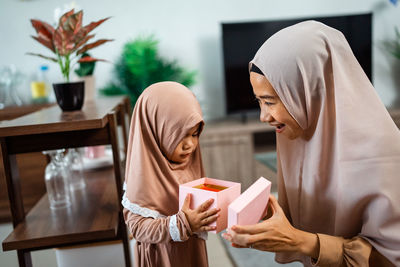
<point>228,148</point>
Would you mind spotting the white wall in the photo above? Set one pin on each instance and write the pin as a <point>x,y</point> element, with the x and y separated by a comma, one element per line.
<point>189,31</point>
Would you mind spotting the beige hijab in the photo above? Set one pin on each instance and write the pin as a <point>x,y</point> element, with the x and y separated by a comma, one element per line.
<point>343,177</point>
<point>161,118</point>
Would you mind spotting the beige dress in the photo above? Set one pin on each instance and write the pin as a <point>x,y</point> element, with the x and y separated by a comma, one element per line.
<point>337,251</point>
<point>162,117</point>
<point>155,247</point>
<point>340,179</point>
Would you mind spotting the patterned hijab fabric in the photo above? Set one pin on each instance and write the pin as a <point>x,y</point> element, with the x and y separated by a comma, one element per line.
<point>342,177</point>
<point>162,116</point>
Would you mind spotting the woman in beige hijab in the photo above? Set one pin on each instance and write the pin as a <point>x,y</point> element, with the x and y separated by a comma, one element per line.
<point>163,152</point>
<point>338,155</point>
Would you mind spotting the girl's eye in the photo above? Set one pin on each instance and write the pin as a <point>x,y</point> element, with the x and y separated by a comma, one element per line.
<point>195,134</point>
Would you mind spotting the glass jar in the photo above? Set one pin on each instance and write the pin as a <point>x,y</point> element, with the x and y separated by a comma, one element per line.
<point>10,79</point>
<point>56,179</point>
<point>73,161</point>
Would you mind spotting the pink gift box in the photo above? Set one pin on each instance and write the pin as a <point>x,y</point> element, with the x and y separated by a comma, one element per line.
<point>250,207</point>
<point>221,199</point>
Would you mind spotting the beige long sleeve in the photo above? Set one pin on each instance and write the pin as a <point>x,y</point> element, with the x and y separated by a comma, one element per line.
<point>337,251</point>
<point>154,231</point>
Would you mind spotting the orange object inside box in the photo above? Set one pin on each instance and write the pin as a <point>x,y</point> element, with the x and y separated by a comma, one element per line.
<point>211,187</point>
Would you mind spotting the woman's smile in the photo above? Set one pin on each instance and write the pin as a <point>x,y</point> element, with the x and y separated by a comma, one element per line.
<point>279,127</point>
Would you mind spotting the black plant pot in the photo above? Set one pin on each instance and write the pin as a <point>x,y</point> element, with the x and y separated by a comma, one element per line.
<point>69,95</point>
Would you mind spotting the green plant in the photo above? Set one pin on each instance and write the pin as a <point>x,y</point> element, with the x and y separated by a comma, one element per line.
<point>140,65</point>
<point>68,40</point>
<point>393,46</point>
<point>85,68</point>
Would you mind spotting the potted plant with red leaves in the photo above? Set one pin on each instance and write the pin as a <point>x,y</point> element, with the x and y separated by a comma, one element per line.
<point>68,41</point>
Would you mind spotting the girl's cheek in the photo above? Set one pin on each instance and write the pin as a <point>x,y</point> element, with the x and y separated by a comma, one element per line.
<point>179,148</point>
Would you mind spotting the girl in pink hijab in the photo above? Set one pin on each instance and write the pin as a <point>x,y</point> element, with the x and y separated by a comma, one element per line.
<point>338,155</point>
<point>163,152</point>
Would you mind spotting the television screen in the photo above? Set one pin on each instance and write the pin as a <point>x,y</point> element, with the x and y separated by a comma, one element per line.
<point>242,40</point>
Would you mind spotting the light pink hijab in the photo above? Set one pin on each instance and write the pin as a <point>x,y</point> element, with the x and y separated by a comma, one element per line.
<point>162,116</point>
<point>343,177</point>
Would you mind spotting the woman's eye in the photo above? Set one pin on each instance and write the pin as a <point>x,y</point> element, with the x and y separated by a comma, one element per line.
<point>268,103</point>
<point>261,102</point>
<point>195,134</point>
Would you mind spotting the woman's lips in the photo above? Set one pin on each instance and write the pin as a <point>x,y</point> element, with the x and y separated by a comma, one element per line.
<point>279,128</point>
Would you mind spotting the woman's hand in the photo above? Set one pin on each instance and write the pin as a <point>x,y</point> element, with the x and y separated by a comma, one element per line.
<point>201,217</point>
<point>275,234</point>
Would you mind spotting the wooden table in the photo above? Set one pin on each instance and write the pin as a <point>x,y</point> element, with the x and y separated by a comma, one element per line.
<point>96,213</point>
<point>31,167</point>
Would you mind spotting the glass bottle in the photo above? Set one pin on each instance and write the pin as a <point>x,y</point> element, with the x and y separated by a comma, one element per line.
<point>57,185</point>
<point>40,87</point>
<point>73,161</point>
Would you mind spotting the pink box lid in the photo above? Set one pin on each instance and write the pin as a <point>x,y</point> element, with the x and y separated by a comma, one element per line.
<point>250,206</point>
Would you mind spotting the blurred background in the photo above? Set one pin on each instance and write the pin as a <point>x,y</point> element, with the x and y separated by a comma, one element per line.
<point>189,32</point>
<point>205,45</point>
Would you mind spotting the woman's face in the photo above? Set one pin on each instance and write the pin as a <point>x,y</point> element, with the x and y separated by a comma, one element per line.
<point>187,146</point>
<point>272,109</point>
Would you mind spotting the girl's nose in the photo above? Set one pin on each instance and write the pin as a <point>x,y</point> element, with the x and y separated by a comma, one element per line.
<point>188,144</point>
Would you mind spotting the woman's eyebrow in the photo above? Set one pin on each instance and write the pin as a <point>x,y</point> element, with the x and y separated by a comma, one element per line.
<point>265,96</point>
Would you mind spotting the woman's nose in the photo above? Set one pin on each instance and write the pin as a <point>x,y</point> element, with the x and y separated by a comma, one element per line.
<point>265,116</point>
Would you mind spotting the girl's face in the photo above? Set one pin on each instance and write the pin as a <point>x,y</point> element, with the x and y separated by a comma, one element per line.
<point>187,146</point>
<point>272,109</point>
